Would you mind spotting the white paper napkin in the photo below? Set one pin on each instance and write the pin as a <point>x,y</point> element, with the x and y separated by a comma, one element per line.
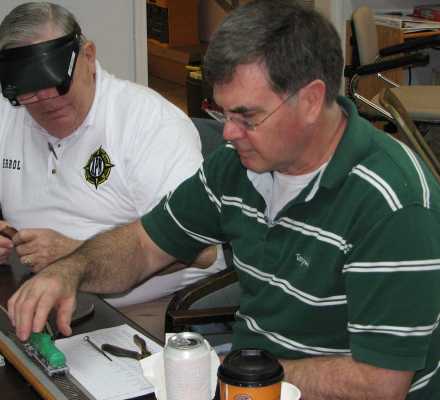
<point>154,371</point>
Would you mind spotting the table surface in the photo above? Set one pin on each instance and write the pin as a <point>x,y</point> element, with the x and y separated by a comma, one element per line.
<point>12,384</point>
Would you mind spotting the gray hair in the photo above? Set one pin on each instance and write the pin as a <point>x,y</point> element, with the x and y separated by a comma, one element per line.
<point>296,45</point>
<point>26,22</point>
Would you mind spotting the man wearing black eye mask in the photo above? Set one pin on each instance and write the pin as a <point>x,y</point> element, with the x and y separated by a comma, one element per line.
<point>81,151</point>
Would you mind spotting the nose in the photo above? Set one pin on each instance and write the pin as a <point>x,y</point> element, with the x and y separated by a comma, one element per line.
<point>46,93</point>
<point>231,131</point>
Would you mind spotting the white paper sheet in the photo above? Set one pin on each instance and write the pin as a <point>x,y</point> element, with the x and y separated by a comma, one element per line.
<point>119,379</point>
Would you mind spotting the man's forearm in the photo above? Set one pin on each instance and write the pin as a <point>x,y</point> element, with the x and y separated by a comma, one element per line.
<point>106,270</point>
<point>342,378</point>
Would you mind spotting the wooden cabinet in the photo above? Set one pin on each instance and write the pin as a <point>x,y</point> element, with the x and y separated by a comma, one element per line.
<point>173,38</point>
<point>173,22</point>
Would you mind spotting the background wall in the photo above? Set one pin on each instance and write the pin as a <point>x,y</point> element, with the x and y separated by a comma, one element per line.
<point>211,14</point>
<point>117,27</point>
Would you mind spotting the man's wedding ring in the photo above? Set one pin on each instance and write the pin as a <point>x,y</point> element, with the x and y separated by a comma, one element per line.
<point>27,260</point>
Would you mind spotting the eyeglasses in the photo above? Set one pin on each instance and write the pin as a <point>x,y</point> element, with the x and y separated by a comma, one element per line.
<point>219,115</point>
<point>31,98</point>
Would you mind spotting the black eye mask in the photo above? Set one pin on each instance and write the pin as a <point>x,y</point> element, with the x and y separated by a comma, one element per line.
<point>39,66</point>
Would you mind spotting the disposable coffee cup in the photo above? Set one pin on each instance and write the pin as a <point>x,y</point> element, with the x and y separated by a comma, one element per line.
<point>250,374</point>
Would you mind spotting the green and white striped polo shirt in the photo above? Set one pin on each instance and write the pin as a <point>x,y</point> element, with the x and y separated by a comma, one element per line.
<point>349,267</point>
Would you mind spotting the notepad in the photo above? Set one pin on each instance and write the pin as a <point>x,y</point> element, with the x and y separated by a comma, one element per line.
<point>119,379</point>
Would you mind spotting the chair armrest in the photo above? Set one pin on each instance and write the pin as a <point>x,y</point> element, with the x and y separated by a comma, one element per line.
<point>411,60</point>
<point>197,316</point>
<point>185,297</point>
<point>178,313</point>
<point>411,45</point>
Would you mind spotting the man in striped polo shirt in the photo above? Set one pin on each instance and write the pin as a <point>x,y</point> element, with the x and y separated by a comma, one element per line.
<point>333,224</point>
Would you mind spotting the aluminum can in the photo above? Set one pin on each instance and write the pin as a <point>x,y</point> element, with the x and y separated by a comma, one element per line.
<point>187,362</point>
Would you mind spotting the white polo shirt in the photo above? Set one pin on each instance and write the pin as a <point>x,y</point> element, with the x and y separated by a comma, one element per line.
<point>133,147</point>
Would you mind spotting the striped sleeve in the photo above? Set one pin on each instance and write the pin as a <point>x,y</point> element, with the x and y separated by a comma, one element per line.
<point>188,219</point>
<point>392,278</point>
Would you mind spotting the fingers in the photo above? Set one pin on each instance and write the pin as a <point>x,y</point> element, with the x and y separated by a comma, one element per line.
<point>25,236</point>
<point>37,248</point>
<point>5,243</point>
<point>4,255</point>
<point>24,247</point>
<point>6,247</point>
<point>29,249</point>
<point>35,261</point>
<point>64,316</point>
<point>21,309</point>
<point>29,307</point>
<point>8,231</point>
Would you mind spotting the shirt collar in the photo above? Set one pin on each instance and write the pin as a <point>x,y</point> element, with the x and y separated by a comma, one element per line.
<point>351,149</point>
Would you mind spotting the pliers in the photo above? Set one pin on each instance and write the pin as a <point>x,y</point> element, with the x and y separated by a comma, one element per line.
<point>121,352</point>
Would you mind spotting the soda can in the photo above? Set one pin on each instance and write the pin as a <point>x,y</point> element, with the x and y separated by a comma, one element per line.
<point>187,362</point>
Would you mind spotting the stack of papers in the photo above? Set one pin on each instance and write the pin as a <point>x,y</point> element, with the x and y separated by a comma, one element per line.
<point>119,379</point>
<point>406,23</point>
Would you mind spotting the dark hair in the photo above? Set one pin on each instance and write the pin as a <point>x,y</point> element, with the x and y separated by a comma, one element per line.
<point>27,21</point>
<point>295,44</point>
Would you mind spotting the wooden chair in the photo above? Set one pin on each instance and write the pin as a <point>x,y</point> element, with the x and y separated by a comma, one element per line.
<point>408,130</point>
<point>421,101</point>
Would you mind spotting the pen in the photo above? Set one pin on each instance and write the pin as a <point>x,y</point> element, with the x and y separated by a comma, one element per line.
<point>88,340</point>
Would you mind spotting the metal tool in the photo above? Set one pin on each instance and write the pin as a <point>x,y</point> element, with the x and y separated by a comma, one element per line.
<point>121,352</point>
<point>88,340</point>
<point>142,346</point>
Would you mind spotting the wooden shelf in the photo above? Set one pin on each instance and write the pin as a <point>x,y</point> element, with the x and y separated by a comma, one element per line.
<point>169,62</point>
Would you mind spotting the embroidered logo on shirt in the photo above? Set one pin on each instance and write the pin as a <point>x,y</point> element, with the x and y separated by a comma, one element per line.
<point>302,261</point>
<point>11,164</point>
<point>98,168</point>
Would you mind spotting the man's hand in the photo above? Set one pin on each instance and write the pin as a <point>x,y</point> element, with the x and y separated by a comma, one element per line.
<point>6,244</point>
<point>344,378</point>
<point>30,305</point>
<point>38,248</point>
<point>111,262</point>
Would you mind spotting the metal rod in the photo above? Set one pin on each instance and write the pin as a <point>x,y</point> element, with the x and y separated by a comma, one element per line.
<point>88,340</point>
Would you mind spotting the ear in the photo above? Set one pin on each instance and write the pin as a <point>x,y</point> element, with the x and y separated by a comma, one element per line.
<point>311,100</point>
<point>88,50</point>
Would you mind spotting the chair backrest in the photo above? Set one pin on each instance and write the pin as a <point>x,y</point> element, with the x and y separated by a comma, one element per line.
<point>210,132</point>
<point>365,35</point>
<point>409,132</point>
